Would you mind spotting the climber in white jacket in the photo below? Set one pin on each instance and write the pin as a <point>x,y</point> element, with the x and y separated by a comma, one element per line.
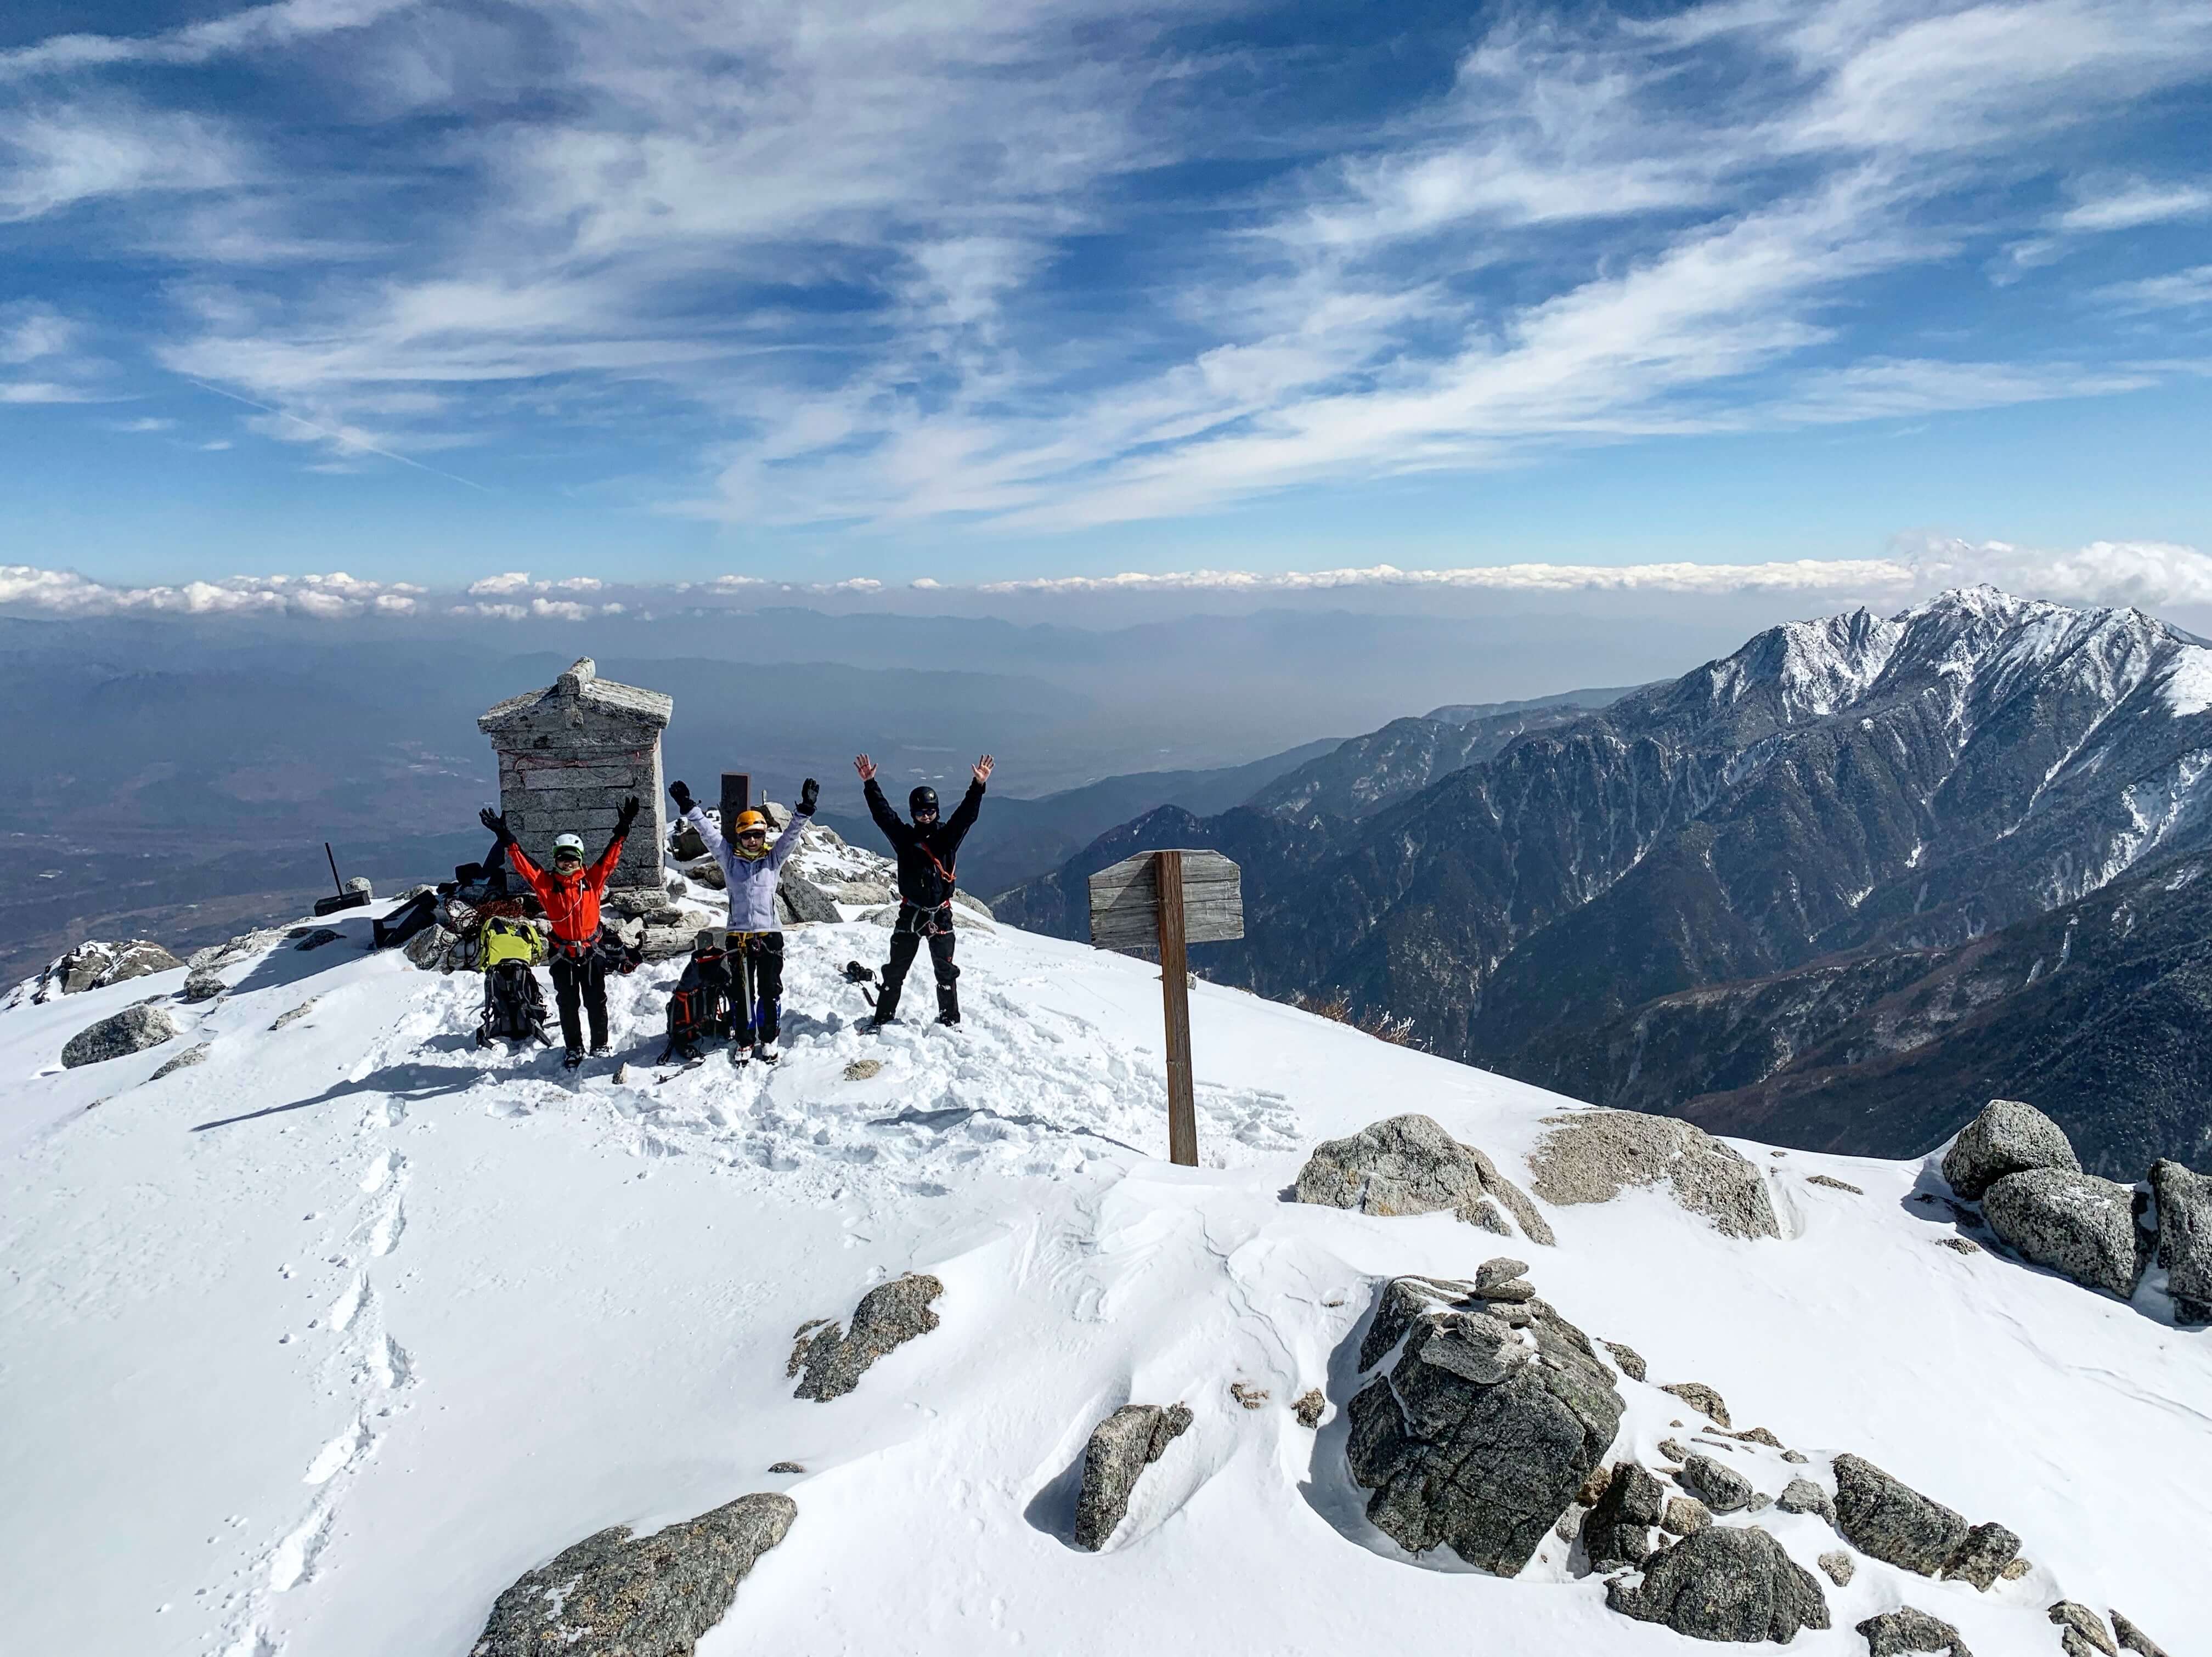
<point>750,866</point>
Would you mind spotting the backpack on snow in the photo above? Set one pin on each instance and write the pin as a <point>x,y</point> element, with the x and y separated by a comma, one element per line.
<point>508,949</point>
<point>699,1007</point>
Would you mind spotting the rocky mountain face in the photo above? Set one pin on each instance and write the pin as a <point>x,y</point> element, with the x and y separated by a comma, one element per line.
<point>1837,812</point>
<point>1360,777</point>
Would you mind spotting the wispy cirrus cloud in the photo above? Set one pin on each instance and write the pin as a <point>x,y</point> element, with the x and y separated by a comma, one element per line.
<point>1057,264</point>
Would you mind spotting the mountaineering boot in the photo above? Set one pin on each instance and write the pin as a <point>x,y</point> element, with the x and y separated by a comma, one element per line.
<point>887,1000</point>
<point>768,1052</point>
<point>948,1004</point>
<point>572,1059</point>
<point>741,1056</point>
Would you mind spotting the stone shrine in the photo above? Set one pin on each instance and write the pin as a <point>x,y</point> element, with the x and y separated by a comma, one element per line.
<point>567,755</point>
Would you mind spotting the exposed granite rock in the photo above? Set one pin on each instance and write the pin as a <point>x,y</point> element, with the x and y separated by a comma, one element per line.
<point>2009,1137</point>
<point>1121,1447</point>
<point>1590,1154</point>
<point>1723,1584</point>
<point>431,948</point>
<point>1308,1406</point>
<point>1839,1567</point>
<point>1723,1489</point>
<point>1490,1273</point>
<point>1630,1360</point>
<point>1834,1184</point>
<point>1982,1557</point>
<point>1888,1520</point>
<point>94,965</point>
<point>1684,1515</point>
<point>2082,1631</point>
<point>888,1315</point>
<point>1247,1394</point>
<point>2134,1638</point>
<point>1619,1529</point>
<point>1480,1434</point>
<point>806,901</point>
<point>1674,1450</point>
<point>1409,1165</point>
<point>616,1595</point>
<point>1759,1436</point>
<point>1959,1245</point>
<point>119,1034</point>
<point>2014,1571</point>
<point>1803,1496</point>
<point>294,1015</point>
<point>2080,1226</point>
<point>1701,1398</point>
<point>2184,1237</point>
<point>185,1060</point>
<point>786,1467</point>
<point>1895,1633</point>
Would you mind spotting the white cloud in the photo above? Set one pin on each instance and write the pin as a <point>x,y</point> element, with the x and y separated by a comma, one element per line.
<point>2182,289</point>
<point>255,28</point>
<point>54,156</point>
<point>44,391</point>
<point>63,592</point>
<point>2146,573</point>
<point>30,331</point>
<point>2131,204</point>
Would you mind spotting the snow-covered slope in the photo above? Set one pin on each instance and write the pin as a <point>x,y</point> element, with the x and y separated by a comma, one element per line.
<point>316,1346</point>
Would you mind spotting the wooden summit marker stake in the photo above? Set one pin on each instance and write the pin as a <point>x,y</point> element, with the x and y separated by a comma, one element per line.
<point>1174,998</point>
<point>1169,901</point>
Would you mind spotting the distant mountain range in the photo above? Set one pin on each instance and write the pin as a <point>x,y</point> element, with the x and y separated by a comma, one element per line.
<point>1708,896</point>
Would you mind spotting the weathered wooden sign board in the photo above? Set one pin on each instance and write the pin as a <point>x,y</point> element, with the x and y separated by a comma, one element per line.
<point>1168,901</point>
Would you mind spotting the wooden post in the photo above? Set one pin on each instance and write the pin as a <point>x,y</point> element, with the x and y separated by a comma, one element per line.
<point>1175,997</point>
<point>737,796</point>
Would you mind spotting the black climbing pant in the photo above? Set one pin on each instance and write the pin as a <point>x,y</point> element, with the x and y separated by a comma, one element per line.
<point>580,979</point>
<point>905,946</point>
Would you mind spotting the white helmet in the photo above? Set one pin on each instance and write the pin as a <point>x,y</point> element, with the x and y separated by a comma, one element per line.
<point>569,843</point>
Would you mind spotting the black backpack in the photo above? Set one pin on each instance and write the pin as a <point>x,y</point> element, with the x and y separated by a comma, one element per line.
<point>513,1008</point>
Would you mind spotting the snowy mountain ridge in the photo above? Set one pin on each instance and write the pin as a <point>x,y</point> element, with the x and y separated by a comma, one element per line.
<point>316,1345</point>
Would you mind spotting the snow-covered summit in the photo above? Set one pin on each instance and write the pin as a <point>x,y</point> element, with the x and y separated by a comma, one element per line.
<point>316,1345</point>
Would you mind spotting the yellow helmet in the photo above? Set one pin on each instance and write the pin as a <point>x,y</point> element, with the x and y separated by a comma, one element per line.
<point>747,821</point>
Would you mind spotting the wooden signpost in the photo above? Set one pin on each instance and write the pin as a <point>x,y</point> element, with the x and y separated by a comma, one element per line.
<point>737,800</point>
<point>1168,901</point>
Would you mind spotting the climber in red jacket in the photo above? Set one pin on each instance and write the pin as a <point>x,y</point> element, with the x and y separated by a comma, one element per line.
<point>570,895</point>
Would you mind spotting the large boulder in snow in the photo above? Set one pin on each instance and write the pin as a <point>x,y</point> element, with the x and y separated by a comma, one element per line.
<point>2134,1639</point>
<point>888,1315</point>
<point>2185,1238</point>
<point>1617,1530</point>
<point>1590,1156</point>
<point>1482,1432</point>
<point>93,965</point>
<point>185,1060</point>
<point>1887,1520</point>
<point>1409,1165</point>
<point>616,1595</point>
<point>1725,1584</point>
<point>2080,1226</point>
<point>132,1030</point>
<point>1121,1447</point>
<point>2009,1137</point>
<point>1895,1632</point>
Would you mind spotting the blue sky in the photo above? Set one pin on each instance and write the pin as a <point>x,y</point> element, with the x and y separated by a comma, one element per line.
<point>662,289</point>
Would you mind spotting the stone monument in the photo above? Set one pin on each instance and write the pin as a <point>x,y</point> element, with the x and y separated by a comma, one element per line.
<point>570,753</point>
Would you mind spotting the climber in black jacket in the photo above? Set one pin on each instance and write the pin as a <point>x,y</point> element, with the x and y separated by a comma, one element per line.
<point>926,849</point>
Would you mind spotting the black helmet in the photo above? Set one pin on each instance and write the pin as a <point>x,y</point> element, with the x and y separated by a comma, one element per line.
<point>923,798</point>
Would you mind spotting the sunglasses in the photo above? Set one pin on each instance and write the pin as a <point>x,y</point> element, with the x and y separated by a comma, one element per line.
<point>752,833</point>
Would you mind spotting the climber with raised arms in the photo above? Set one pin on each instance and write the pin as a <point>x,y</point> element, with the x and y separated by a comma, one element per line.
<point>749,960</point>
<point>570,893</point>
<point>926,849</point>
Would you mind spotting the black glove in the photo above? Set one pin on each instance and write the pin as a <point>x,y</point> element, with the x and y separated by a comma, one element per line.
<point>809,792</point>
<point>626,816</point>
<point>681,793</point>
<point>493,821</point>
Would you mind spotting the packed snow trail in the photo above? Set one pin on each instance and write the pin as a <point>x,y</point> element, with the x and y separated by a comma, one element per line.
<point>316,1346</point>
